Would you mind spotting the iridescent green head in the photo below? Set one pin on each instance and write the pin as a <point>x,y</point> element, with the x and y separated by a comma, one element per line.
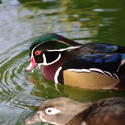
<point>53,41</point>
<point>47,42</point>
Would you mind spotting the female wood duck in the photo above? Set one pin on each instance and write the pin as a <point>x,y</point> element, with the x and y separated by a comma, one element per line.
<point>91,66</point>
<point>64,111</point>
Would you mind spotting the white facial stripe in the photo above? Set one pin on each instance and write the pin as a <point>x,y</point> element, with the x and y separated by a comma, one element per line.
<point>44,120</point>
<point>62,42</point>
<point>45,61</point>
<point>41,115</point>
<point>60,50</point>
<point>57,74</point>
<point>44,42</point>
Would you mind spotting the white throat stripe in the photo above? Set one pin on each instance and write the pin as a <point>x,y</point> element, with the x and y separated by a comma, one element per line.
<point>60,50</point>
<point>57,74</point>
<point>45,61</point>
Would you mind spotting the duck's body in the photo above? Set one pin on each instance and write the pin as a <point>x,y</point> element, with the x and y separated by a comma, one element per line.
<point>93,66</point>
<point>94,71</point>
<point>64,111</point>
<point>105,112</point>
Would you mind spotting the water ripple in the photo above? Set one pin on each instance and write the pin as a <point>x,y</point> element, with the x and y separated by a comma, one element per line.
<point>17,93</point>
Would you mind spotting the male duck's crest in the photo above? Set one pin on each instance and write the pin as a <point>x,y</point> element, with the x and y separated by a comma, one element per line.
<point>90,65</point>
<point>52,40</point>
<point>47,42</point>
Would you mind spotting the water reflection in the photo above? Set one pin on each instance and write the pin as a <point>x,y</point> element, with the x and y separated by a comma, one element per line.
<point>38,4</point>
<point>103,20</point>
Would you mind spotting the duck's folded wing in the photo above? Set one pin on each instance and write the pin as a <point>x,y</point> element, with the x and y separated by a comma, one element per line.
<point>91,71</point>
<point>95,62</point>
<point>105,48</point>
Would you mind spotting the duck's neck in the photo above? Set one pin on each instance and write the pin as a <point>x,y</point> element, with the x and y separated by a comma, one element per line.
<point>77,120</point>
<point>49,71</point>
<point>80,114</point>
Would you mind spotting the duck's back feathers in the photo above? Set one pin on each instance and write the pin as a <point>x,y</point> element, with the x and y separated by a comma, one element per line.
<point>105,112</point>
<point>105,62</point>
<point>104,48</point>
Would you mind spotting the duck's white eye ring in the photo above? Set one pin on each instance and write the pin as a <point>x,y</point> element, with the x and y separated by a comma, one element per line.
<point>51,111</point>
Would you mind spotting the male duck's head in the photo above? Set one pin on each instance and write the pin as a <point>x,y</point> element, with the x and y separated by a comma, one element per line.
<point>45,49</point>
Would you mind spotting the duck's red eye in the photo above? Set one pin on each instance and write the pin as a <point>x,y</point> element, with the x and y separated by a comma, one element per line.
<point>38,52</point>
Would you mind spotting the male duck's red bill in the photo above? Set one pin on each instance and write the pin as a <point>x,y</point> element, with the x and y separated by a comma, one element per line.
<point>32,64</point>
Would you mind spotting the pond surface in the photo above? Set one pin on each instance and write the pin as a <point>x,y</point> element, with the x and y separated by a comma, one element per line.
<point>22,20</point>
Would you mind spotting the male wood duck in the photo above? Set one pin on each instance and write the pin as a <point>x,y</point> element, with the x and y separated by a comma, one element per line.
<point>90,66</point>
<point>64,111</point>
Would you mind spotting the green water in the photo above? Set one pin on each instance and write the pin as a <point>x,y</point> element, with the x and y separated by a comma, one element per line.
<point>22,20</point>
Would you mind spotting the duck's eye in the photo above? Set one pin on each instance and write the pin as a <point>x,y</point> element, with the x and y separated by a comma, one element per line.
<point>52,111</point>
<point>38,52</point>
